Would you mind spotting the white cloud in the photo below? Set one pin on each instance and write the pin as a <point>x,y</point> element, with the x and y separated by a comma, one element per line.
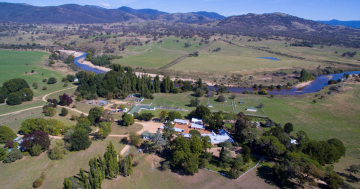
<point>106,5</point>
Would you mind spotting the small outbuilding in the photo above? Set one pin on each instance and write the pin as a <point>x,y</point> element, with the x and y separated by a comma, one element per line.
<point>147,135</point>
<point>181,121</point>
<point>103,102</point>
<point>251,109</point>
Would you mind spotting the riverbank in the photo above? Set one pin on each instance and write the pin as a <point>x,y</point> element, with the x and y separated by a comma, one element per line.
<point>88,63</point>
<point>303,84</point>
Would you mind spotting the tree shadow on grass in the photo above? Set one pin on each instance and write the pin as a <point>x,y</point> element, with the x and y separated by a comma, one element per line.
<point>349,177</point>
<point>266,174</point>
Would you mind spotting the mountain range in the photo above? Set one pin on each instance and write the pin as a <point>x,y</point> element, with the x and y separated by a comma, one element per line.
<point>353,24</point>
<point>76,14</point>
<point>87,14</point>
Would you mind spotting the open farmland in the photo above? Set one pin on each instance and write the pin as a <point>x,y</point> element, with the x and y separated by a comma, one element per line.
<point>155,55</point>
<point>315,53</point>
<point>235,59</point>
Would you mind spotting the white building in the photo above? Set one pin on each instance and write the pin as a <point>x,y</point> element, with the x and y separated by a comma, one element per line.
<point>221,137</point>
<point>196,120</point>
<point>181,121</point>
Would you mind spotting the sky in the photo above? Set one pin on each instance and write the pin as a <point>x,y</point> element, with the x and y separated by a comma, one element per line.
<point>309,9</point>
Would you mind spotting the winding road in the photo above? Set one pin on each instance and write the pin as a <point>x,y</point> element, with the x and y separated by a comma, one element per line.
<point>147,126</point>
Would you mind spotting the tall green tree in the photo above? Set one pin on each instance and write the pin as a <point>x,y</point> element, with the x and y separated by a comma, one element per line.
<point>235,166</point>
<point>67,184</point>
<point>224,159</point>
<point>110,158</point>
<point>127,119</point>
<point>196,145</point>
<point>80,140</point>
<point>94,115</point>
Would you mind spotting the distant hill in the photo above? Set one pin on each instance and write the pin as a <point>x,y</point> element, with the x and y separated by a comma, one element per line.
<point>279,24</point>
<point>211,15</point>
<point>353,24</point>
<point>70,13</point>
<point>141,11</point>
<point>77,14</point>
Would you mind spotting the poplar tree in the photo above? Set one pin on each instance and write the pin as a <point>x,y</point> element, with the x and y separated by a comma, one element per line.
<point>67,184</point>
<point>84,179</point>
<point>110,158</point>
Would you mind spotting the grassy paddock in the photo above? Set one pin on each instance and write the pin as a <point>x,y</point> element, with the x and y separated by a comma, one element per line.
<point>155,55</point>
<point>335,116</point>
<point>14,64</point>
<point>21,174</point>
<point>117,129</point>
<point>233,58</point>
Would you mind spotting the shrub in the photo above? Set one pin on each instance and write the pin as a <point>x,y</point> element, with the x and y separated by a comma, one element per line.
<point>52,80</point>
<point>262,92</point>
<point>124,140</point>
<point>165,165</point>
<point>38,182</point>
<point>44,80</point>
<point>70,78</point>
<point>9,144</point>
<point>63,79</point>
<point>35,85</point>
<point>288,127</point>
<point>58,151</point>
<point>136,163</point>
<point>36,138</point>
<point>6,134</point>
<point>74,117</point>
<point>65,85</point>
<point>14,155</point>
<point>32,71</point>
<point>74,106</point>
<point>221,98</point>
<point>64,112</point>
<point>65,100</point>
<point>36,150</point>
<point>246,92</point>
<point>44,88</point>
<point>330,82</point>
<point>50,111</point>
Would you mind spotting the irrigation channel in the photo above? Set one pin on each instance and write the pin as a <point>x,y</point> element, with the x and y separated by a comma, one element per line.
<point>319,83</point>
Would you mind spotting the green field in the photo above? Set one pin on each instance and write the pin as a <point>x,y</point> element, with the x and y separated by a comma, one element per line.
<point>335,116</point>
<point>316,53</point>
<point>233,58</point>
<point>155,55</point>
<point>13,65</point>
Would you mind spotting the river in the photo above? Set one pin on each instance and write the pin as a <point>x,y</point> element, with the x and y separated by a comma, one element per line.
<point>319,83</point>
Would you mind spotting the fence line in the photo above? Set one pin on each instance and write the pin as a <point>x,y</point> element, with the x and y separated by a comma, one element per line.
<point>168,108</point>
<point>225,175</point>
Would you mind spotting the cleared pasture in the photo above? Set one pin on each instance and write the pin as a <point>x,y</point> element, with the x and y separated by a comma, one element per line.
<point>233,58</point>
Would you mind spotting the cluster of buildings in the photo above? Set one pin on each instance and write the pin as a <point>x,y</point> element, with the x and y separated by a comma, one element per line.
<point>184,127</point>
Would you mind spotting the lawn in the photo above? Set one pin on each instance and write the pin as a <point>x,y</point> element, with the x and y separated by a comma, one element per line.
<point>14,121</point>
<point>84,107</point>
<point>118,129</point>
<point>233,58</point>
